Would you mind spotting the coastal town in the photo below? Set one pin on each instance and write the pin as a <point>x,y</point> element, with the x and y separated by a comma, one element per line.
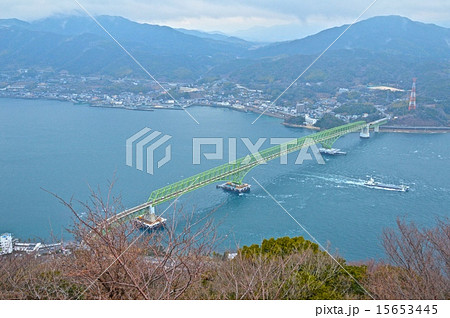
<point>345,105</point>
<point>206,150</point>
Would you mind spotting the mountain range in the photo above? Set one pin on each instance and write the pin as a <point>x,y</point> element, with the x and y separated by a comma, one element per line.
<point>385,46</point>
<point>389,34</point>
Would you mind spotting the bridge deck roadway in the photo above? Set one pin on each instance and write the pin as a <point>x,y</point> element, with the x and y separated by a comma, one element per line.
<point>181,187</point>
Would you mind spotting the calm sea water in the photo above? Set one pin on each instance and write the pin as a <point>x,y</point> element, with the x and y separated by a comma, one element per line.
<point>66,149</point>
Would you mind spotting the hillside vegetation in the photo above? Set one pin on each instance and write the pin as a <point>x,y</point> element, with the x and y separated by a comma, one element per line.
<point>388,49</point>
<point>180,263</point>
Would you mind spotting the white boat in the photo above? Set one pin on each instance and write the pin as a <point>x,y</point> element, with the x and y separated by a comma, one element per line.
<point>371,183</point>
<point>331,151</point>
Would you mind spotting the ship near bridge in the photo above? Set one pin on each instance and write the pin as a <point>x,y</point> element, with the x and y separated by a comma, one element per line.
<point>233,173</point>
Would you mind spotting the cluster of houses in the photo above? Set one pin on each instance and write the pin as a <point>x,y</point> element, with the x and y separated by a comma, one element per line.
<point>10,245</point>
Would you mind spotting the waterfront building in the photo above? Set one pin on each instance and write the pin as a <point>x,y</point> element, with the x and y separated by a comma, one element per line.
<point>6,244</point>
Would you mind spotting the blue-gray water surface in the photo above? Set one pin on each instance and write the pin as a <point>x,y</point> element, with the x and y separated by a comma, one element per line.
<point>66,149</point>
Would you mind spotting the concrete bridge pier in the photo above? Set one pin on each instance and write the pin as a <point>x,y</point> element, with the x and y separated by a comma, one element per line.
<point>149,212</point>
<point>376,129</point>
<point>365,132</point>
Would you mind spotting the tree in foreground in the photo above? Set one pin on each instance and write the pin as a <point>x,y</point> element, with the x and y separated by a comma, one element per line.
<point>418,264</point>
<point>283,268</point>
<point>122,262</point>
<point>116,261</point>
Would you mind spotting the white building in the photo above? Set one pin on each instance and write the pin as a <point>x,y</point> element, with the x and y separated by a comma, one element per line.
<point>6,244</point>
<point>310,121</point>
<point>27,247</point>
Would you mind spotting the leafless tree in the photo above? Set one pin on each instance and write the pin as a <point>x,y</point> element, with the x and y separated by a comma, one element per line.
<point>117,261</point>
<point>418,263</point>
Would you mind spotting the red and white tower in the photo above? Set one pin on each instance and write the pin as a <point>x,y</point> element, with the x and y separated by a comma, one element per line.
<point>412,99</point>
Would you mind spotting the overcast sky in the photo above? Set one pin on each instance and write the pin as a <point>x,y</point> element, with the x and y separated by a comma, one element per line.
<point>292,16</point>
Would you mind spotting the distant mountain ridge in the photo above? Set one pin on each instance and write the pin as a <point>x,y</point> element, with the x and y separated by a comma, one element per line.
<point>124,30</point>
<point>391,34</point>
<point>215,36</point>
<point>77,44</point>
<point>80,46</point>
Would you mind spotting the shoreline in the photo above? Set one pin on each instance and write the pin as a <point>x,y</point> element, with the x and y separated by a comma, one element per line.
<point>243,110</point>
<point>268,124</point>
<point>414,130</point>
<point>384,129</point>
<point>301,126</point>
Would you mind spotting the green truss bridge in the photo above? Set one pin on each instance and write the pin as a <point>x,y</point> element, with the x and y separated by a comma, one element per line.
<point>236,171</point>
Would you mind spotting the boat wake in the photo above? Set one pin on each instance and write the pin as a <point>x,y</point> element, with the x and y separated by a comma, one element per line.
<point>339,181</point>
<point>343,181</point>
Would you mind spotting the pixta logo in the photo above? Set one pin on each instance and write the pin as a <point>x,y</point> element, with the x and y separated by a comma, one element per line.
<point>147,140</point>
<point>254,149</point>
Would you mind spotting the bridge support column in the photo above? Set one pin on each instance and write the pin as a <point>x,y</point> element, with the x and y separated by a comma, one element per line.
<point>238,177</point>
<point>376,129</point>
<point>365,133</point>
<point>149,212</point>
